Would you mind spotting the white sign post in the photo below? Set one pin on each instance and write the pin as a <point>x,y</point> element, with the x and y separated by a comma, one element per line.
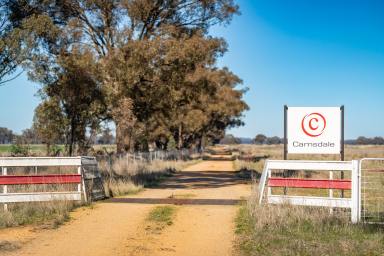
<point>314,130</point>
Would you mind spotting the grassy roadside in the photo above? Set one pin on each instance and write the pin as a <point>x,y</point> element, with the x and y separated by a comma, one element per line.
<point>288,230</point>
<point>46,214</point>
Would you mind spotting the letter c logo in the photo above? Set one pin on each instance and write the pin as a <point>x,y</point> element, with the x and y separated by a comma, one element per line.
<point>313,124</point>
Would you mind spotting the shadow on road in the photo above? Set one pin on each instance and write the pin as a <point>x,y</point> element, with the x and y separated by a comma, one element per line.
<point>176,201</point>
<point>202,179</point>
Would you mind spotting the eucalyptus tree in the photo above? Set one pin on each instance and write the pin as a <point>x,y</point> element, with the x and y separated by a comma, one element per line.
<point>134,62</point>
<point>11,54</point>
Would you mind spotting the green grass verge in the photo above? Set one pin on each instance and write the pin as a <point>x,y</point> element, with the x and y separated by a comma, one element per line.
<point>162,215</point>
<point>159,218</point>
<point>5,148</point>
<point>40,149</point>
<point>34,149</point>
<point>285,230</point>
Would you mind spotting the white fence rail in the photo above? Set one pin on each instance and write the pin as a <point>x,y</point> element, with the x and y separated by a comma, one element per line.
<point>353,203</point>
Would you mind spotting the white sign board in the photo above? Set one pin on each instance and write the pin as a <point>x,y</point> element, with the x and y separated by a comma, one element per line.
<point>314,130</point>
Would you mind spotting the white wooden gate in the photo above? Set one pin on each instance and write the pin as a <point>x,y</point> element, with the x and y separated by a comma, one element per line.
<point>8,179</point>
<point>353,202</point>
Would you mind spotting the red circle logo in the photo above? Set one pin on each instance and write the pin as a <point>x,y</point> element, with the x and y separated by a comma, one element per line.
<point>313,124</point>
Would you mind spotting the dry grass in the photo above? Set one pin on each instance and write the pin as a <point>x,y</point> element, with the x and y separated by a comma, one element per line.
<point>49,214</point>
<point>240,165</point>
<point>276,152</point>
<point>289,230</point>
<point>128,167</point>
<point>7,246</point>
<point>124,176</point>
<point>115,187</point>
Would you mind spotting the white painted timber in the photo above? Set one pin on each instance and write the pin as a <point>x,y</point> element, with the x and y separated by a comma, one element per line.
<point>354,203</point>
<point>262,181</point>
<point>6,162</point>
<point>39,161</point>
<point>39,197</point>
<point>310,201</point>
<point>355,193</point>
<point>309,165</point>
<point>300,165</point>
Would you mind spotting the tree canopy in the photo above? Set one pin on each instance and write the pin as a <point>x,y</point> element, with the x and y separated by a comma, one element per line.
<point>148,66</point>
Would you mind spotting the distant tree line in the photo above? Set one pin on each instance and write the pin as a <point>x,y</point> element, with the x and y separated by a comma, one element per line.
<point>361,140</point>
<point>30,136</point>
<point>106,137</point>
<point>149,67</point>
<point>230,139</point>
<point>261,139</point>
<point>27,136</point>
<point>6,136</point>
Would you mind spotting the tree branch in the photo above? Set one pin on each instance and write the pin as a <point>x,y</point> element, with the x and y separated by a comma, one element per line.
<point>2,83</point>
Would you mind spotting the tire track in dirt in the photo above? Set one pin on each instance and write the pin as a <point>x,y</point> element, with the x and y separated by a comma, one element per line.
<point>120,228</point>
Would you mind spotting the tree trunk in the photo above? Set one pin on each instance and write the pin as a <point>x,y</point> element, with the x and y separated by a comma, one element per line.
<point>119,139</point>
<point>124,139</point>
<point>199,144</point>
<point>72,138</point>
<point>130,141</point>
<point>202,143</point>
<point>180,137</point>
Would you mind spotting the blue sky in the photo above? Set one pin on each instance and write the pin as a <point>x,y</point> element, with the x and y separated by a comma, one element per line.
<point>299,53</point>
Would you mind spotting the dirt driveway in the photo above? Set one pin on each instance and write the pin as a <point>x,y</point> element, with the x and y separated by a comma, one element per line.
<point>205,195</point>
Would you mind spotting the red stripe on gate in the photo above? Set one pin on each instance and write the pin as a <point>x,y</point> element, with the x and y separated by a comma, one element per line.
<point>305,183</point>
<point>40,179</point>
